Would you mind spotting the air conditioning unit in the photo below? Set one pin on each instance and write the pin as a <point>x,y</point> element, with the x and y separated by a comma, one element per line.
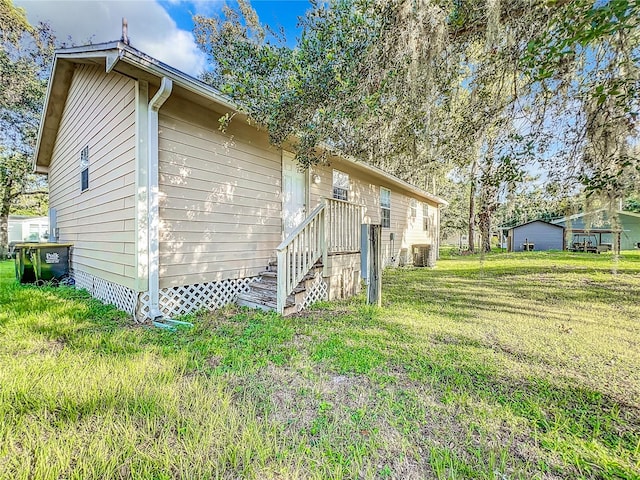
<point>422,256</point>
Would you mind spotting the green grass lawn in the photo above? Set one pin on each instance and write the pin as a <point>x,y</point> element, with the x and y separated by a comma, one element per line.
<point>511,366</point>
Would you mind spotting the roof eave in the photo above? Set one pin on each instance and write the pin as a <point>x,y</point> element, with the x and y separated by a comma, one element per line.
<point>101,50</point>
<point>114,52</point>
<point>594,212</point>
<point>378,172</point>
<point>530,222</point>
<point>151,65</point>
<point>35,165</point>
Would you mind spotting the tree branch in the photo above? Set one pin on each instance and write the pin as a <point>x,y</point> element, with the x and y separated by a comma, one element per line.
<point>37,192</point>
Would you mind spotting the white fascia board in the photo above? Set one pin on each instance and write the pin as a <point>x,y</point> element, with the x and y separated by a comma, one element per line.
<point>185,81</point>
<point>43,114</point>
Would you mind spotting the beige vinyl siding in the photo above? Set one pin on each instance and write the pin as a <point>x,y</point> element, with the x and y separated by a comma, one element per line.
<point>365,190</point>
<point>99,112</point>
<point>220,202</point>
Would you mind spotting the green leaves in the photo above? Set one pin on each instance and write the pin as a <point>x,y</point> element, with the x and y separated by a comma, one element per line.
<point>419,88</point>
<point>25,53</point>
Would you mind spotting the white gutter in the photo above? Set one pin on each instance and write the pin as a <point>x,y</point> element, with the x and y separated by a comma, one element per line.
<point>151,65</point>
<point>153,193</point>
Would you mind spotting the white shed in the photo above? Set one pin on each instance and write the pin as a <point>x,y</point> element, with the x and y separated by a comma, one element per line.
<point>34,229</point>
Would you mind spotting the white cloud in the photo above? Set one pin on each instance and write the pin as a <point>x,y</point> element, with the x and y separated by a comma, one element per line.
<point>151,28</point>
<point>203,7</point>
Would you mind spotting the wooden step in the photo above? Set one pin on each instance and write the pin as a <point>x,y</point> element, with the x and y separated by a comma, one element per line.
<point>289,309</point>
<point>259,301</point>
<point>272,287</point>
<point>265,293</point>
<point>264,286</point>
<point>268,276</point>
<point>247,301</point>
<point>262,293</point>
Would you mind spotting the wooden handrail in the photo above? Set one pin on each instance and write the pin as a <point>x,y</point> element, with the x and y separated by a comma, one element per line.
<point>287,241</point>
<point>343,226</point>
<point>337,200</point>
<point>333,226</point>
<point>299,252</point>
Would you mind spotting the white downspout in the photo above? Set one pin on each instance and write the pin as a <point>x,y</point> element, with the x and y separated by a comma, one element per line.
<point>166,85</point>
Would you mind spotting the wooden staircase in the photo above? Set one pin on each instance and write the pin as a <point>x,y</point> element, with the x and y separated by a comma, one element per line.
<point>262,293</point>
<point>332,227</point>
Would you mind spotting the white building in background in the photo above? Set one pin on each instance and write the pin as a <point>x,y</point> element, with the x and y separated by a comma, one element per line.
<point>32,229</point>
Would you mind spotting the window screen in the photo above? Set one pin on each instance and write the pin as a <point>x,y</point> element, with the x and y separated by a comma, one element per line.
<point>385,207</point>
<point>426,220</point>
<point>340,185</point>
<point>84,169</point>
<point>413,207</point>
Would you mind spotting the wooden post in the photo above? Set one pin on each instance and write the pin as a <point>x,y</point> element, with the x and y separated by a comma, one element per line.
<point>374,277</point>
<point>324,244</point>
<point>281,292</point>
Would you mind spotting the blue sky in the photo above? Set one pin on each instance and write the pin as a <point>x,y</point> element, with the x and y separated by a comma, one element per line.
<point>160,28</point>
<point>276,13</point>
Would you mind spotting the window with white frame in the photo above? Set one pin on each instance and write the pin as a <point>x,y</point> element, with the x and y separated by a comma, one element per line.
<point>413,208</point>
<point>34,232</point>
<point>385,207</point>
<point>340,185</point>
<point>426,220</point>
<point>84,169</point>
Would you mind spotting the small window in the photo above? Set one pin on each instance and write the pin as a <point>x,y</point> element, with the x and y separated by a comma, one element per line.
<point>340,185</point>
<point>84,169</point>
<point>385,207</point>
<point>426,220</point>
<point>413,207</point>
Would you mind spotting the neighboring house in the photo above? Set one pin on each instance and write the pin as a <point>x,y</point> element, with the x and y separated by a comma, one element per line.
<point>168,215</point>
<point>24,228</point>
<point>460,239</point>
<point>535,235</point>
<point>625,229</point>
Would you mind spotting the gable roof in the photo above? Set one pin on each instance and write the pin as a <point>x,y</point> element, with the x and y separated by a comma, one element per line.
<point>535,221</point>
<point>122,58</point>
<point>595,212</point>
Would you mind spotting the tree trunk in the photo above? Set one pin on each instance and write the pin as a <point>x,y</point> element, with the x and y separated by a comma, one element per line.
<point>488,193</point>
<point>5,206</point>
<point>489,181</point>
<point>472,206</point>
<point>485,230</point>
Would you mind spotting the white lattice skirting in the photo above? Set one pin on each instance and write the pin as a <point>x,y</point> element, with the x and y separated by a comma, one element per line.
<point>316,292</point>
<point>120,296</point>
<point>176,301</point>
